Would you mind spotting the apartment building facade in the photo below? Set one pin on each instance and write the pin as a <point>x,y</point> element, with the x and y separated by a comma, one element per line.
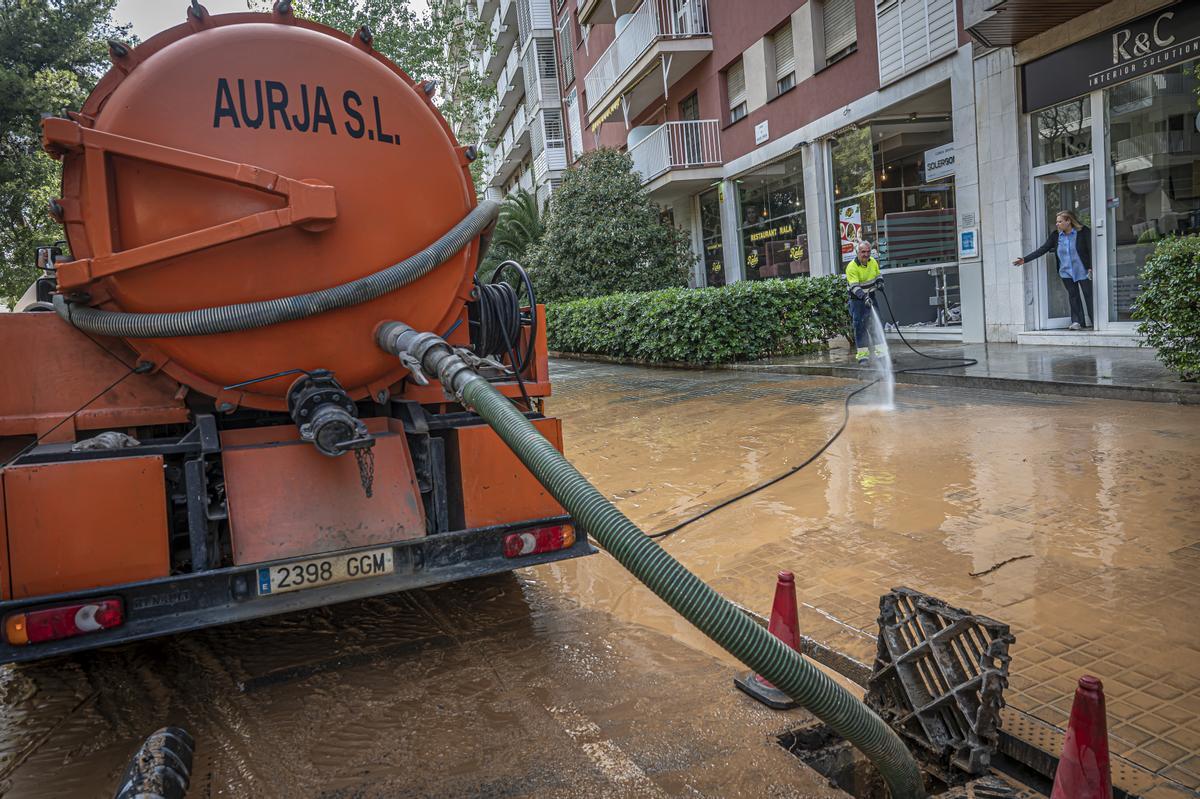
<point>522,139</point>
<point>780,131</point>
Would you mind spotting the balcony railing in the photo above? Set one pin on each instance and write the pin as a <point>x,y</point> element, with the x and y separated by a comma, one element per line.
<point>674,145</point>
<point>654,20</point>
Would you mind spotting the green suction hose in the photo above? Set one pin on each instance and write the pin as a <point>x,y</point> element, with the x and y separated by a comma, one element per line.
<point>714,615</point>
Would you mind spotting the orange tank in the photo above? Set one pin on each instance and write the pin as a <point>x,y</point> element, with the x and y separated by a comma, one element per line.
<point>246,157</point>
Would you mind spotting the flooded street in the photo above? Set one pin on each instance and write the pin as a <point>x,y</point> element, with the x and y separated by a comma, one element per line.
<point>498,687</point>
<point>1072,520</point>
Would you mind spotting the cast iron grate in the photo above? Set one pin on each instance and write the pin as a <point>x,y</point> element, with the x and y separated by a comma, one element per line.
<point>939,677</point>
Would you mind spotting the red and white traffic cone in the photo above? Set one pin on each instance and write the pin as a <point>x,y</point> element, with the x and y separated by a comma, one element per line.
<point>785,625</point>
<point>1083,770</point>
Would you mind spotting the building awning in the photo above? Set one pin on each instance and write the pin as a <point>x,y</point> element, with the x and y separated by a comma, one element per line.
<point>603,116</point>
<point>1011,22</point>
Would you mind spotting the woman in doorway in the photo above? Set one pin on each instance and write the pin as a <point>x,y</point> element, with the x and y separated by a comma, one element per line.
<point>1072,243</point>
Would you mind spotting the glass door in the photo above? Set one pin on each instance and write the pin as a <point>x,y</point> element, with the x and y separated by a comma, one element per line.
<point>1068,189</point>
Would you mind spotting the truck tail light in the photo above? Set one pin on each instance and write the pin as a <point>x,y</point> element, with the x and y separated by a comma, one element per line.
<point>64,621</point>
<point>539,540</point>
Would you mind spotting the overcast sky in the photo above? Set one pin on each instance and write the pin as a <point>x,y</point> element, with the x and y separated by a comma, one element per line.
<point>151,16</point>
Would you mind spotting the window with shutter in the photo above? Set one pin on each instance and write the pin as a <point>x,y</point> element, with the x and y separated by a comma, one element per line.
<point>574,125</point>
<point>840,33</point>
<point>735,90</point>
<point>554,127</point>
<point>566,50</point>
<point>545,59</point>
<point>913,33</point>
<point>785,58</point>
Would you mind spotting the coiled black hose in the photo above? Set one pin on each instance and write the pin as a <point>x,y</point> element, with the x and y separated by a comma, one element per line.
<point>499,320</point>
<point>250,315</point>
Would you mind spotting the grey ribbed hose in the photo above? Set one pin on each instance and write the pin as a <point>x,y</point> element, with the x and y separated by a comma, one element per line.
<point>714,615</point>
<point>250,315</point>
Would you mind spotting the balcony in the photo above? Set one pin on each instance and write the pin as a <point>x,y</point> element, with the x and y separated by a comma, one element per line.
<point>678,159</point>
<point>675,34</point>
<point>533,17</point>
<point>510,90</point>
<point>502,34</point>
<point>541,75</point>
<point>484,7</point>
<point>677,145</point>
<point>604,12</point>
<point>511,147</point>
<point>551,159</point>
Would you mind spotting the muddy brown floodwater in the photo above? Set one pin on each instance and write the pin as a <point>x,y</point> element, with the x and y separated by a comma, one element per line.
<point>1092,506</point>
<point>572,680</point>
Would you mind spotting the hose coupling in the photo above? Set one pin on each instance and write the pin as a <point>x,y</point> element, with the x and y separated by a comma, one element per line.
<point>326,415</point>
<point>431,353</point>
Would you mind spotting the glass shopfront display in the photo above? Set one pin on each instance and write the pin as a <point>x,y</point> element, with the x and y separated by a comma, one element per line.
<point>773,229</point>
<point>1153,164</point>
<point>893,185</point>
<point>1133,175</point>
<point>710,237</point>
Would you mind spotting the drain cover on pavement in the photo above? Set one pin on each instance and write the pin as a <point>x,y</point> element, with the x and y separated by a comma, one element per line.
<point>939,677</point>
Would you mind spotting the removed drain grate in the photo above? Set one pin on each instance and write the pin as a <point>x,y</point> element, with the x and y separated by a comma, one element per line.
<point>939,677</point>
<point>832,756</point>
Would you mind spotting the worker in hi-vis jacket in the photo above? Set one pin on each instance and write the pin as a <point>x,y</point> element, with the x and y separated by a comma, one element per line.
<point>862,273</point>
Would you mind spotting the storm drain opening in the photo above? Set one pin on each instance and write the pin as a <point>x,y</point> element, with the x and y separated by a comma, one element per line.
<point>847,769</point>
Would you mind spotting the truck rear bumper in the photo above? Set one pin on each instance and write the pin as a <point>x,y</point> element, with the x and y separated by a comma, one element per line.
<point>221,596</point>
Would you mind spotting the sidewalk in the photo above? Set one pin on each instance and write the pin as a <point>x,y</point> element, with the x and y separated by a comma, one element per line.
<point>1123,373</point>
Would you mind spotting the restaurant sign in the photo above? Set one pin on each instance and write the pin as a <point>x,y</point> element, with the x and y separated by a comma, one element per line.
<point>1142,47</point>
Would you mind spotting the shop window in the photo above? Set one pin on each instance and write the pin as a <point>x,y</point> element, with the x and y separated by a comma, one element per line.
<point>1062,131</point>
<point>894,186</point>
<point>735,90</point>
<point>710,236</point>
<point>841,34</point>
<point>773,233</point>
<point>785,58</point>
<point>853,189</point>
<point>1153,174</point>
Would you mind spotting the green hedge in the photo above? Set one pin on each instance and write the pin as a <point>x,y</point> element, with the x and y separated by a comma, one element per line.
<point>1169,304</point>
<point>741,322</point>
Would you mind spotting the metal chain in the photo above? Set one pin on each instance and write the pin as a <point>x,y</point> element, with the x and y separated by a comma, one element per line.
<point>365,458</point>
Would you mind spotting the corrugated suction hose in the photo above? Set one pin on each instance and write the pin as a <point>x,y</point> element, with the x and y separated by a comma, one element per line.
<point>714,615</point>
<point>250,315</point>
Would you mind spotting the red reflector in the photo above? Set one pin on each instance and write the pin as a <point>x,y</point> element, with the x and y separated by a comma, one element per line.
<point>65,621</point>
<point>539,540</point>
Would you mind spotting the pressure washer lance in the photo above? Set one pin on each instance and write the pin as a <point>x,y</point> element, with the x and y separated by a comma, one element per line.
<point>714,615</point>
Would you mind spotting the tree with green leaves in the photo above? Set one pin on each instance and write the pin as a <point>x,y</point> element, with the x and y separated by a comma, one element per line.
<point>603,235</point>
<point>52,52</point>
<point>438,44</point>
<point>518,230</point>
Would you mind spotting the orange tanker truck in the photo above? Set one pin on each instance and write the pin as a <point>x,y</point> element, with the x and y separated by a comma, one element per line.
<point>196,424</point>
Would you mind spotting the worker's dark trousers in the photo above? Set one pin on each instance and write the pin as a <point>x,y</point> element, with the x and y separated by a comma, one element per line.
<point>1074,289</point>
<point>860,314</point>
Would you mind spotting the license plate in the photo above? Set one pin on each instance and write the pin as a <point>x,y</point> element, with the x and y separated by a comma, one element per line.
<point>324,571</point>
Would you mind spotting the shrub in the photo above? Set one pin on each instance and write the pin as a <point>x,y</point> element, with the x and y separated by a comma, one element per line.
<point>603,235</point>
<point>1169,304</point>
<point>739,322</point>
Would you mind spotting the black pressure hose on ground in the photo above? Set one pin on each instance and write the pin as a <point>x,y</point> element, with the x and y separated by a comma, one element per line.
<point>714,615</point>
<point>250,315</point>
<point>960,361</point>
<point>725,503</point>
